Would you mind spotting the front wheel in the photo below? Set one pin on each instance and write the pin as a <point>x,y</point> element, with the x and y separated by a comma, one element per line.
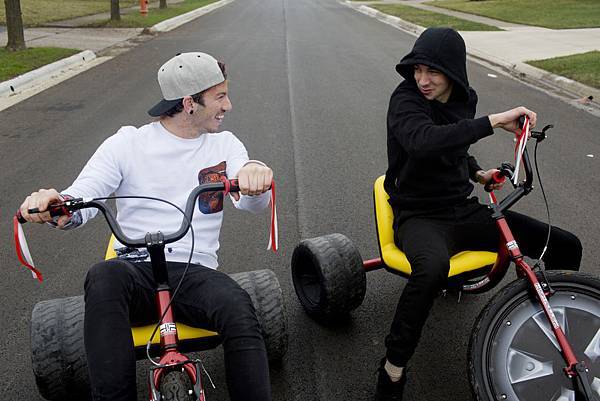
<point>175,386</point>
<point>513,353</point>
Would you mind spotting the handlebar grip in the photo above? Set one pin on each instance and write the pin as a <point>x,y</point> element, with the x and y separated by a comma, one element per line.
<point>58,209</point>
<point>234,185</point>
<point>20,218</point>
<point>497,178</point>
<point>521,121</point>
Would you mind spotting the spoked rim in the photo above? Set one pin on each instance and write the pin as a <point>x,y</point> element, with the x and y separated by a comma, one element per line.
<point>523,359</point>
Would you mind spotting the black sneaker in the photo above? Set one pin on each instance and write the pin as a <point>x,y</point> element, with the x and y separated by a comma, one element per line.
<point>387,390</point>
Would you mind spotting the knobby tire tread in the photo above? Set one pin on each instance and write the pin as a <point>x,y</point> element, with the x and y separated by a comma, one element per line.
<point>265,292</point>
<point>340,273</point>
<point>57,349</point>
<point>174,386</point>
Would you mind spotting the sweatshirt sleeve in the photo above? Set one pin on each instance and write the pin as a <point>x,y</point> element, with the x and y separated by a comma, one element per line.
<point>238,157</point>
<point>473,167</point>
<point>101,175</point>
<point>411,125</point>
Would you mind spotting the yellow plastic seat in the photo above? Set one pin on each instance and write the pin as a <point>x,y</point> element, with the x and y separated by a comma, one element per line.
<point>141,334</point>
<point>395,259</point>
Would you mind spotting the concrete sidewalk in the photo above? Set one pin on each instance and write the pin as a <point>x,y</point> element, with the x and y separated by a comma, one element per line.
<point>98,45</point>
<point>508,50</point>
<point>94,39</point>
<point>73,34</point>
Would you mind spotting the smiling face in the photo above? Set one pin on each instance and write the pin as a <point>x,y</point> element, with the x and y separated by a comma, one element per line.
<point>432,83</point>
<point>208,118</point>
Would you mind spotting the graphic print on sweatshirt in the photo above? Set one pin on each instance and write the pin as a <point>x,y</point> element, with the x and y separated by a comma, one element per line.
<point>211,202</point>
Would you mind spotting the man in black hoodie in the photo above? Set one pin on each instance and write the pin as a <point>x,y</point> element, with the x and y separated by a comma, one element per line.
<point>430,126</point>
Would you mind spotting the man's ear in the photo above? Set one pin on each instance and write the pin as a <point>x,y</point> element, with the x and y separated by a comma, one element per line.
<point>188,104</point>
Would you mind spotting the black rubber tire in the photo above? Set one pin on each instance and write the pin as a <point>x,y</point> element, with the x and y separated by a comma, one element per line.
<point>57,351</point>
<point>267,297</point>
<point>511,355</point>
<point>328,276</point>
<point>175,386</point>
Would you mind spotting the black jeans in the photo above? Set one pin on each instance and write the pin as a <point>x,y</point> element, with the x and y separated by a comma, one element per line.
<point>120,293</point>
<point>430,238</point>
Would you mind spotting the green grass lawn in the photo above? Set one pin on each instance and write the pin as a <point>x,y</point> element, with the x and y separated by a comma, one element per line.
<point>17,63</point>
<point>430,19</point>
<point>584,68</point>
<point>39,12</point>
<point>556,14</point>
<point>155,15</point>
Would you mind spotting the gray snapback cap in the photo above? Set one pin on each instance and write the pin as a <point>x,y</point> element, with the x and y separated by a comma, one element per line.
<point>184,75</point>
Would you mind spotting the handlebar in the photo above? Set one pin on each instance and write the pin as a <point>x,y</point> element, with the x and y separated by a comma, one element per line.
<point>69,206</point>
<point>523,188</point>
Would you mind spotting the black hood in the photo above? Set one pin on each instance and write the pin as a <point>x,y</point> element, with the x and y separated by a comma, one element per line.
<point>442,49</point>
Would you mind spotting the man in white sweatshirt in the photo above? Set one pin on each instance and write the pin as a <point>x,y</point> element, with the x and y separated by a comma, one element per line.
<point>166,159</point>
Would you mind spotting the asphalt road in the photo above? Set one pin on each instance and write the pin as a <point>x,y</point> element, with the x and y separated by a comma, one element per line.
<point>309,81</point>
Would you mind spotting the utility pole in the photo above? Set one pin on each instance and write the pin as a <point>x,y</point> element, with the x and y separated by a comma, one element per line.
<point>14,25</point>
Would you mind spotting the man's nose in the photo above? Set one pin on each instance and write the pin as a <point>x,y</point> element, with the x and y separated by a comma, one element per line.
<point>423,79</point>
<point>227,104</point>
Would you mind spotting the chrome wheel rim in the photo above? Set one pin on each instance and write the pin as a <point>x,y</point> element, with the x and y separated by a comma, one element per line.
<point>523,359</point>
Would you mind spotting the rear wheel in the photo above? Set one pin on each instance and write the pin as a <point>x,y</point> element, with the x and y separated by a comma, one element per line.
<point>175,386</point>
<point>267,298</point>
<point>328,276</point>
<point>513,353</point>
<point>57,351</point>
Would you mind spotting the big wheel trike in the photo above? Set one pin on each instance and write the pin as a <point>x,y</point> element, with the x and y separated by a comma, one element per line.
<point>57,349</point>
<point>538,338</point>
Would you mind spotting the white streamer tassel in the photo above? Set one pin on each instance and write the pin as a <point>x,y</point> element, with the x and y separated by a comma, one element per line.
<point>520,149</point>
<point>274,231</point>
<point>23,250</point>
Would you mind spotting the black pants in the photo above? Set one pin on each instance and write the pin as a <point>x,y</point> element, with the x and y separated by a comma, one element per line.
<point>120,293</point>
<point>429,239</point>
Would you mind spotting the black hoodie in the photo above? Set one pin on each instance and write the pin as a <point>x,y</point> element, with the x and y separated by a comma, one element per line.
<point>428,141</point>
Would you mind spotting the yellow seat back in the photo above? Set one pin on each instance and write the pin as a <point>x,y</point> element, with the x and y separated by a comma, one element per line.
<point>395,259</point>
<point>142,334</point>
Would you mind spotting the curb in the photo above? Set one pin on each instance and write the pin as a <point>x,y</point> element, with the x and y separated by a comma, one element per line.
<point>18,84</point>
<point>531,74</point>
<point>175,22</point>
<point>524,72</point>
<point>408,27</point>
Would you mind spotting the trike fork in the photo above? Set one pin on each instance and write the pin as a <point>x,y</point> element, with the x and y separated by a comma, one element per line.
<point>574,369</point>
<point>510,251</point>
<point>171,358</point>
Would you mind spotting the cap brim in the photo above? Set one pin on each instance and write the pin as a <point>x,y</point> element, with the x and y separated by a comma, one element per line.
<point>162,107</point>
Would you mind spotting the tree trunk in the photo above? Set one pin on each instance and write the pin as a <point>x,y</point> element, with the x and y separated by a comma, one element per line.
<point>14,25</point>
<point>163,4</point>
<point>115,11</point>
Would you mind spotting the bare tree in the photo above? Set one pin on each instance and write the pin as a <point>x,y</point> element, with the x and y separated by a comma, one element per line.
<point>14,25</point>
<point>162,4</point>
<point>115,11</point>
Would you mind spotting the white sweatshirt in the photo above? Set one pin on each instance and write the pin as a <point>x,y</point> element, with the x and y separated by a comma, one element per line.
<point>150,161</point>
